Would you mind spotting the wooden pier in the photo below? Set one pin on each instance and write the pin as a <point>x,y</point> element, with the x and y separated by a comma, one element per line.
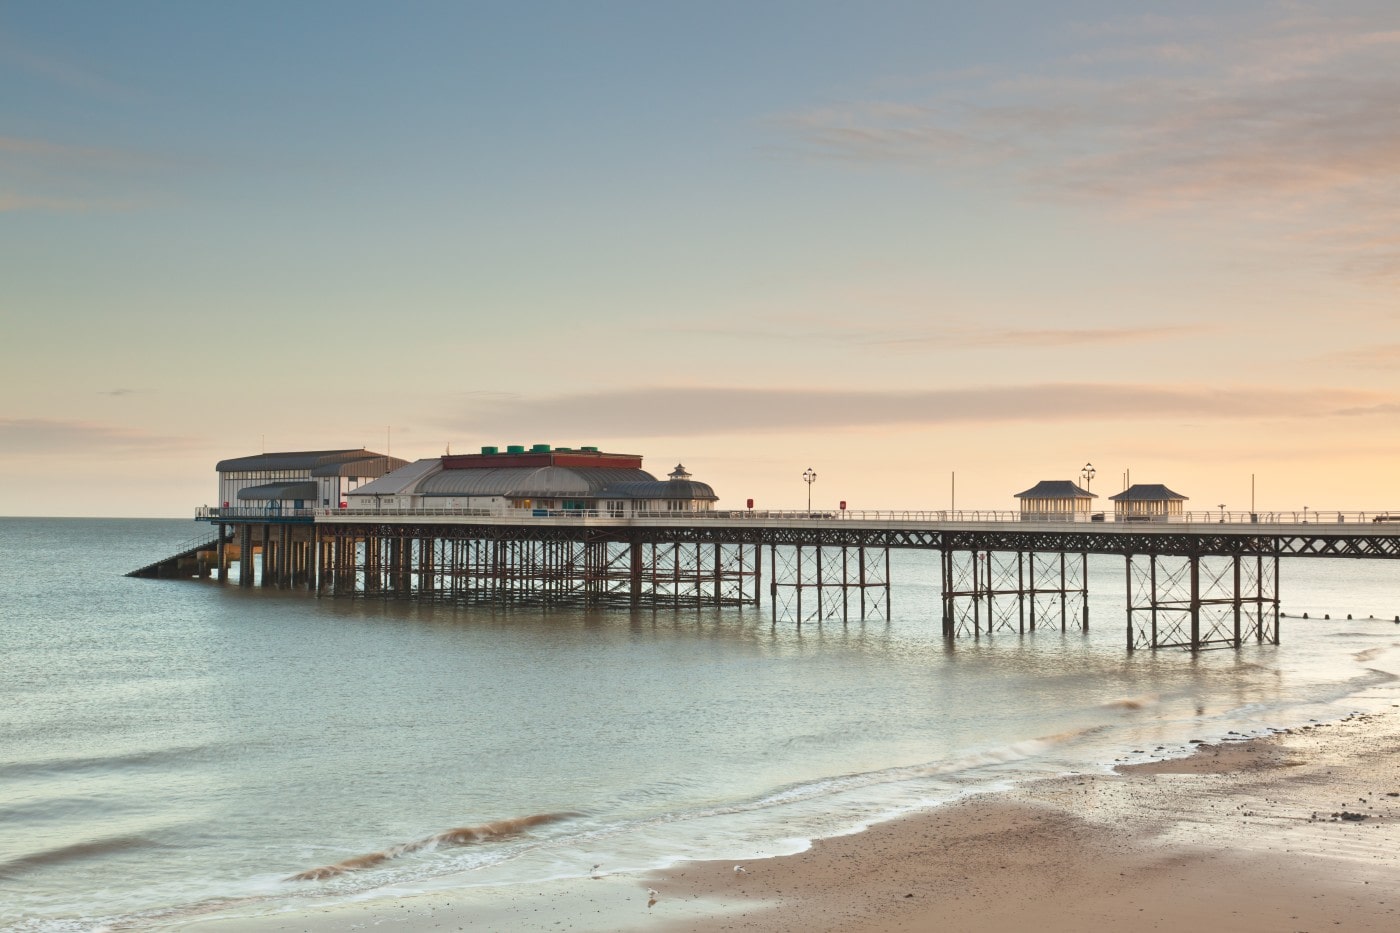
<point>1193,582</point>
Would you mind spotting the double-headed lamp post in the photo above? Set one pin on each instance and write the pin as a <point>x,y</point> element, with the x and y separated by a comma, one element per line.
<point>811,477</point>
<point>1087,474</point>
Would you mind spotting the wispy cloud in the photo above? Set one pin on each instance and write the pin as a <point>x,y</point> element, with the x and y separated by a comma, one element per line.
<point>858,333</point>
<point>716,410</point>
<point>1049,337</point>
<point>60,71</point>
<point>43,436</point>
<point>1288,120</point>
<point>43,175</point>
<point>1381,356</point>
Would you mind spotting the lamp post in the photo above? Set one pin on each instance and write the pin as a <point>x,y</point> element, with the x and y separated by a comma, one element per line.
<point>1222,513</point>
<point>811,477</point>
<point>1087,474</point>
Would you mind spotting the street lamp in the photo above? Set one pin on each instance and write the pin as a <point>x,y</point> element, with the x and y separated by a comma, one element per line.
<point>1222,513</point>
<point>811,477</point>
<point>1087,474</point>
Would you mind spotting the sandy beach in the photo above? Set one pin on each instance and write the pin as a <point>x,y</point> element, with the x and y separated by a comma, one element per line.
<point>1296,831</point>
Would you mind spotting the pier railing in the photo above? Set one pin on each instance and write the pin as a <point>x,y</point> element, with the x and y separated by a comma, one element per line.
<point>253,513</point>
<point>1218,517</point>
<point>883,516</point>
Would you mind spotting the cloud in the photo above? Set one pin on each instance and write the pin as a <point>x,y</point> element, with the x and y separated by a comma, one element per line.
<point>1387,408</point>
<point>848,334</point>
<point>716,410</point>
<point>1289,121</point>
<point>38,175</point>
<point>1382,356</point>
<point>43,437</point>
<point>1050,337</point>
<point>119,392</point>
<point>62,72</point>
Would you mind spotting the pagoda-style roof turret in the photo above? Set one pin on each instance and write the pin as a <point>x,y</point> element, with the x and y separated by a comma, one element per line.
<point>1056,489</point>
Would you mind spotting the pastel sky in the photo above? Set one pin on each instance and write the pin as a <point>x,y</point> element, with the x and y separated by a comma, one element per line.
<point>891,241</point>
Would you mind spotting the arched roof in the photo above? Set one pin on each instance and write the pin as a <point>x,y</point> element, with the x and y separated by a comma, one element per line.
<point>662,489</point>
<point>528,482</point>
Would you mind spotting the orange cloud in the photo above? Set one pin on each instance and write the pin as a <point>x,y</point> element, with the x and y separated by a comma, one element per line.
<point>44,436</point>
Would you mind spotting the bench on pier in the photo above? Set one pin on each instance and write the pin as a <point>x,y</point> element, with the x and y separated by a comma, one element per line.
<point>1386,518</point>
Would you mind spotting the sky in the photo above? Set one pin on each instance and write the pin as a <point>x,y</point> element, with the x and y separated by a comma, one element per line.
<point>934,251</point>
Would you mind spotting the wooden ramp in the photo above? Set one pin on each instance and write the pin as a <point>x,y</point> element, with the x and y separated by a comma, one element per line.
<point>194,561</point>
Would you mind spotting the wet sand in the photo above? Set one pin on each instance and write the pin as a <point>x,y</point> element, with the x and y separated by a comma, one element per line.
<point>1294,832</point>
<point>1298,831</point>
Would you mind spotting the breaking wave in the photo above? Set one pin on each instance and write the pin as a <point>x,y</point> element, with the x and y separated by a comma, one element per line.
<point>460,836</point>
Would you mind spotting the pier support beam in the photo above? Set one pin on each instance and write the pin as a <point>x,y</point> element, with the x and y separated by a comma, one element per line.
<point>1198,601</point>
<point>985,592</point>
<point>822,583</point>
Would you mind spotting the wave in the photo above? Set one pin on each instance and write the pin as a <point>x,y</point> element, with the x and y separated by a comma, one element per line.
<point>58,766</point>
<point>73,852</point>
<point>1134,703</point>
<point>461,835</point>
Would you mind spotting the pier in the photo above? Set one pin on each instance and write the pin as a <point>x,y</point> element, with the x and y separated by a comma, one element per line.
<point>1193,581</point>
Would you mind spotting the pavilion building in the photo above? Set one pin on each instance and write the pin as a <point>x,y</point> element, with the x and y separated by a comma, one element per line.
<point>299,479</point>
<point>541,479</point>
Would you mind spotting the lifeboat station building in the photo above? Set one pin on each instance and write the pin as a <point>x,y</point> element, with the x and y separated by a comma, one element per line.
<point>294,480</point>
<point>1147,502</point>
<point>1056,500</point>
<point>543,480</point>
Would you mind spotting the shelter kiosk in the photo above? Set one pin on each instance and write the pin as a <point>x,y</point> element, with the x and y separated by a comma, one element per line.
<point>1056,500</point>
<point>1147,502</point>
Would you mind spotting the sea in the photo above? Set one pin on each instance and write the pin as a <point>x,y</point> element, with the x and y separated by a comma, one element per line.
<point>172,749</point>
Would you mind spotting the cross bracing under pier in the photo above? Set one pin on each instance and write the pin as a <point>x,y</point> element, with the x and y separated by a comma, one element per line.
<point>1190,583</point>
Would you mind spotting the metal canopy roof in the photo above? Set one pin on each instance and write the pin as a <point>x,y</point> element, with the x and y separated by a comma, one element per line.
<point>294,460</point>
<point>278,491</point>
<point>662,489</point>
<point>372,465</point>
<point>402,480</point>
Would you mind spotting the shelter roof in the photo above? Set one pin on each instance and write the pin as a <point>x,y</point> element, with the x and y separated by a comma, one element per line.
<point>1146,492</point>
<point>278,491</point>
<point>1056,489</point>
<point>372,465</point>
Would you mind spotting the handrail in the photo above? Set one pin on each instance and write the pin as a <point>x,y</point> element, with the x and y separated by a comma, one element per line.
<point>207,512</point>
<point>884,516</point>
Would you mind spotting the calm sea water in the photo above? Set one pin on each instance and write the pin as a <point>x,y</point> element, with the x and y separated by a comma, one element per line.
<point>171,747</point>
